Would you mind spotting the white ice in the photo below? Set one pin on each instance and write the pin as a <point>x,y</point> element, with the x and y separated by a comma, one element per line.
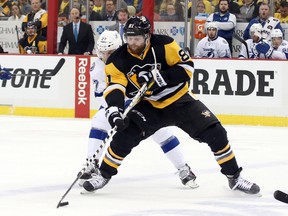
<point>40,158</point>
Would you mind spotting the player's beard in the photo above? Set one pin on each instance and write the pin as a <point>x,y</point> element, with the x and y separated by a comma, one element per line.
<point>135,49</point>
<point>224,11</point>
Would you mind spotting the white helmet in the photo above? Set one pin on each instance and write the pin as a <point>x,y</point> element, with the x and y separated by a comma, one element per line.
<point>256,29</point>
<point>276,33</point>
<point>212,25</point>
<point>108,40</point>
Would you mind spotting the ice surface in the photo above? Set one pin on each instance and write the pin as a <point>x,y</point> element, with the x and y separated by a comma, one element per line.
<point>40,158</point>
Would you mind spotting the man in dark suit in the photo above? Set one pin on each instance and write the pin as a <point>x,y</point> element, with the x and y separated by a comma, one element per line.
<point>122,17</point>
<point>79,36</point>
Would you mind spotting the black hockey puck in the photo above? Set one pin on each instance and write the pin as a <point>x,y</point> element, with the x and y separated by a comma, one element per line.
<point>281,196</point>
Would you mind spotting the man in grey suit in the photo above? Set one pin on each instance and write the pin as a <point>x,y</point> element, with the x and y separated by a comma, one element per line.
<point>122,18</point>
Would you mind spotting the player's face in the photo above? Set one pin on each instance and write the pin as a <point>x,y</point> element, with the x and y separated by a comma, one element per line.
<point>264,12</point>
<point>104,55</point>
<point>255,38</point>
<point>283,11</point>
<point>223,6</point>
<point>74,15</point>
<point>211,32</point>
<point>35,5</point>
<point>276,42</point>
<point>30,31</point>
<point>136,43</point>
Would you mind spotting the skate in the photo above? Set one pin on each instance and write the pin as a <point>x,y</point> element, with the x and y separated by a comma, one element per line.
<point>96,182</point>
<point>236,182</point>
<point>90,167</point>
<point>187,177</point>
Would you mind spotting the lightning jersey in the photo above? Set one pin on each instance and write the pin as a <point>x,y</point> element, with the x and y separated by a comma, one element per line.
<point>267,26</point>
<point>281,52</point>
<point>252,53</point>
<point>217,48</point>
<point>35,45</point>
<point>123,67</point>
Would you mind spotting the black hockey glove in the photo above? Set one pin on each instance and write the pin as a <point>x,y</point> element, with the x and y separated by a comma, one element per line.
<point>144,77</point>
<point>114,116</point>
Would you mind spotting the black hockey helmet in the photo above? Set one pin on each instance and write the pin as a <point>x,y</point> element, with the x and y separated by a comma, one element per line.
<point>137,25</point>
<point>31,24</point>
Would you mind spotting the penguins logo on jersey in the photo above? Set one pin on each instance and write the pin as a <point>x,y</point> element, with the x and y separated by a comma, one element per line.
<point>132,75</point>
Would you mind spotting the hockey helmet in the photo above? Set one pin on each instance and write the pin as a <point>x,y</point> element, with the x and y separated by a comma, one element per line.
<point>31,24</point>
<point>108,41</point>
<point>256,29</point>
<point>212,25</point>
<point>276,33</point>
<point>137,25</point>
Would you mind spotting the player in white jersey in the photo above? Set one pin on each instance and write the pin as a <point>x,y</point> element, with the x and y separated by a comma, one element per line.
<point>258,48</point>
<point>107,43</point>
<point>267,22</point>
<point>212,46</point>
<point>280,46</point>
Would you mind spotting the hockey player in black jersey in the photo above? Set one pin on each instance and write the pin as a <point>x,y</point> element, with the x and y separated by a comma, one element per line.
<point>33,43</point>
<point>168,101</point>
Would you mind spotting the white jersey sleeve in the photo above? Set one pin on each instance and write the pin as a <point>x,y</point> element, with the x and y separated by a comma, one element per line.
<point>253,54</point>
<point>97,73</point>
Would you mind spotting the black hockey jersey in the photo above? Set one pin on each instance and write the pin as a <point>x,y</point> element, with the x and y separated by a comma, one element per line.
<point>36,45</point>
<point>123,66</point>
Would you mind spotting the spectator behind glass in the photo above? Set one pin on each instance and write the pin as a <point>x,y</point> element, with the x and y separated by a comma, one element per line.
<point>93,16</point>
<point>39,16</point>
<point>64,8</point>
<point>234,8</point>
<point>283,12</point>
<point>172,14</point>
<point>225,21</point>
<point>110,8</point>
<point>137,4</point>
<point>17,15</point>
<point>78,4</point>
<point>98,4</point>
<point>209,8</point>
<point>248,11</point>
<point>25,7</point>
<point>122,18</point>
<point>201,9</point>
<point>267,22</point>
<point>79,36</point>
<point>5,6</point>
<point>120,3</point>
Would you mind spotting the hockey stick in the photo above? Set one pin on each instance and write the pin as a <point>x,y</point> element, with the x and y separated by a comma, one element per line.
<point>281,196</point>
<point>111,133</point>
<point>240,39</point>
<point>18,38</point>
<point>46,72</point>
<point>156,73</point>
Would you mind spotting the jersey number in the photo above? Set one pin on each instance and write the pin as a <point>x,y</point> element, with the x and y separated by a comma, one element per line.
<point>183,55</point>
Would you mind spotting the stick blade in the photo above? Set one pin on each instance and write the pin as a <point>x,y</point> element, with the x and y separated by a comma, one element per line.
<point>60,204</point>
<point>281,196</point>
